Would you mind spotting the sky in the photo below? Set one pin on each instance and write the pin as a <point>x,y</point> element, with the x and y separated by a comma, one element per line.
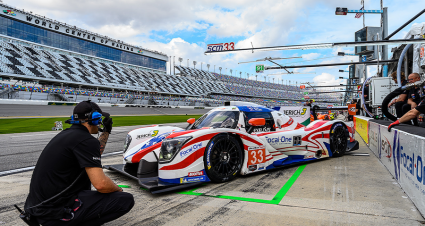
<point>183,29</point>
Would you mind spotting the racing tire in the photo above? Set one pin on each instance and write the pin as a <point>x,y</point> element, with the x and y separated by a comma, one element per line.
<point>223,158</point>
<point>338,139</point>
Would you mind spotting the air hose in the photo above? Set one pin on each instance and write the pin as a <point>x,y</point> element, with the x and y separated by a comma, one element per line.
<point>400,62</point>
<point>362,96</point>
<point>387,100</point>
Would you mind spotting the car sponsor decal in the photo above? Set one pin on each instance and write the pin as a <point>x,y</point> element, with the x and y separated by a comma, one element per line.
<point>141,136</point>
<point>208,155</point>
<point>252,167</point>
<point>154,133</point>
<point>190,150</point>
<point>279,140</point>
<point>194,174</point>
<point>297,140</point>
<point>192,179</point>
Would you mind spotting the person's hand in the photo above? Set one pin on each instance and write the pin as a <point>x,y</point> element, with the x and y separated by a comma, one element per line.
<point>107,125</point>
<point>413,105</point>
<point>392,125</point>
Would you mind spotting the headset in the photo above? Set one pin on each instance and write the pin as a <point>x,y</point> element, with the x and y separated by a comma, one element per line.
<point>94,117</point>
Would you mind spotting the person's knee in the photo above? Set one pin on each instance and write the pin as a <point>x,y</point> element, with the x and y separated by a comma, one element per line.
<point>126,201</point>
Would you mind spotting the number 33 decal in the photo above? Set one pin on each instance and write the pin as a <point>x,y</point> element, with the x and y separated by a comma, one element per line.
<point>229,46</point>
<point>256,156</point>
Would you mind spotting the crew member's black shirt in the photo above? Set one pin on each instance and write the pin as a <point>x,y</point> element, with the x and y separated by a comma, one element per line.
<point>415,95</point>
<point>358,106</point>
<point>59,164</point>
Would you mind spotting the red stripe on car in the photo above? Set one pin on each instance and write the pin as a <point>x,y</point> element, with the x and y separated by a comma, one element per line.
<point>139,155</point>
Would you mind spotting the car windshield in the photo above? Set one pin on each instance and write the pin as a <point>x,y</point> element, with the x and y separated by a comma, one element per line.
<point>218,119</point>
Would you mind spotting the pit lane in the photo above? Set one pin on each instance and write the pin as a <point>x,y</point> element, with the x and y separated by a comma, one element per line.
<point>350,190</point>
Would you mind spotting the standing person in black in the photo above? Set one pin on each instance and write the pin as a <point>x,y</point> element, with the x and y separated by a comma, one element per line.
<point>402,99</point>
<point>414,97</point>
<point>75,153</point>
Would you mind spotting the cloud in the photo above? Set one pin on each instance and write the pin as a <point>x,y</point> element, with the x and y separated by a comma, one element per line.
<point>311,56</point>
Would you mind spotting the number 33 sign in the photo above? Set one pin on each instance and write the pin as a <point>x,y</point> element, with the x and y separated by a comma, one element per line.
<point>256,156</point>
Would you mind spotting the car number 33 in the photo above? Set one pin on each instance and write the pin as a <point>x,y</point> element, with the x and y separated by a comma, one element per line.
<point>256,156</point>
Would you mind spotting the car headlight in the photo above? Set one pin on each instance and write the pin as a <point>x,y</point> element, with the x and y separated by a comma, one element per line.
<point>170,147</point>
<point>127,142</point>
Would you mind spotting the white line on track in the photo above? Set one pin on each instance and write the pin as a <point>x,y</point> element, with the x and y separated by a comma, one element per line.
<point>34,135</point>
<point>8,172</point>
<point>20,170</point>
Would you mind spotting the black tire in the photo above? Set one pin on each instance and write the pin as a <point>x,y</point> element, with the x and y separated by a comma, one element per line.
<point>223,158</point>
<point>338,139</point>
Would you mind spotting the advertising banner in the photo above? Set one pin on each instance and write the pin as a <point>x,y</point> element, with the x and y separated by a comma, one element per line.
<point>402,154</point>
<point>361,126</point>
<point>299,114</point>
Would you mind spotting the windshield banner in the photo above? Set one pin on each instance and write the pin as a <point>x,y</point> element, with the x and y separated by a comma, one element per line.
<point>299,114</point>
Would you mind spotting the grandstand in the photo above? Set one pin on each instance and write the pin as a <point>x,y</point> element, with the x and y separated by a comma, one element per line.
<point>62,62</point>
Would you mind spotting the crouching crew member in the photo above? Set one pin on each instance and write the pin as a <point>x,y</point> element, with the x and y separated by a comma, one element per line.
<point>402,99</point>
<point>72,159</point>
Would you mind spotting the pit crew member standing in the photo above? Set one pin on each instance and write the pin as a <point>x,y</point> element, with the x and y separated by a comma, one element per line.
<point>75,153</point>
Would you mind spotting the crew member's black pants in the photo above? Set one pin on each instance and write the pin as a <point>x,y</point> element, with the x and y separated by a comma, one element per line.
<point>97,208</point>
<point>407,108</point>
<point>399,108</point>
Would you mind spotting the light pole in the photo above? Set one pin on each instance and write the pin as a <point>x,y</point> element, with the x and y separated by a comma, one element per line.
<point>180,59</point>
<point>240,74</point>
<point>256,77</point>
<point>214,69</point>
<point>194,64</point>
<point>231,72</point>
<point>219,69</point>
<point>187,62</point>
<point>201,65</point>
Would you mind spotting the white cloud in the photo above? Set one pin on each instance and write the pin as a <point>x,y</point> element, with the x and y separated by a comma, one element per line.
<point>311,56</point>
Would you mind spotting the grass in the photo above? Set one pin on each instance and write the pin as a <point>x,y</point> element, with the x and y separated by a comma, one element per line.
<point>25,125</point>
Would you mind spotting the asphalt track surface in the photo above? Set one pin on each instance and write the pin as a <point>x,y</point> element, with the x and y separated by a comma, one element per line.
<point>349,190</point>
<point>15,110</point>
<point>21,150</point>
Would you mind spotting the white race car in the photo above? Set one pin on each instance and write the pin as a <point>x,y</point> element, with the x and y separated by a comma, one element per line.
<point>225,142</point>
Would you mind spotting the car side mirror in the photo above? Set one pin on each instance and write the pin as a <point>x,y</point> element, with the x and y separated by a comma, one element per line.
<point>257,122</point>
<point>191,121</point>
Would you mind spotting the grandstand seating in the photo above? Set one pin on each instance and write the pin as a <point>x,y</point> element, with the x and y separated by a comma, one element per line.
<point>32,61</point>
<point>38,63</point>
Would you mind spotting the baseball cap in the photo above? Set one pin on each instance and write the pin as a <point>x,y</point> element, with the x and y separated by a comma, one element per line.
<point>83,109</point>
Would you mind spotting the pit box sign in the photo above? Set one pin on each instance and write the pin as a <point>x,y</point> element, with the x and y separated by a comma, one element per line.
<point>220,47</point>
<point>379,88</point>
<point>259,68</point>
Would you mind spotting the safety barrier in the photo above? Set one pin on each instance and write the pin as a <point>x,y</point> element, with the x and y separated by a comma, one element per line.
<point>401,152</point>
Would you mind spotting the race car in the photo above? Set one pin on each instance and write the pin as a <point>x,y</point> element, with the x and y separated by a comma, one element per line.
<point>226,142</point>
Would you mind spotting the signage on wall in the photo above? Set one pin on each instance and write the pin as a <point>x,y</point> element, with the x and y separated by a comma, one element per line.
<point>78,33</point>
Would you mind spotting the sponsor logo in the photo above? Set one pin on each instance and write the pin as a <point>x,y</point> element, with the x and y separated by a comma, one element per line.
<point>297,140</point>
<point>279,140</point>
<point>252,168</point>
<point>256,147</point>
<point>386,148</point>
<point>192,179</point>
<point>308,156</point>
<point>154,133</point>
<point>352,109</point>
<point>140,51</point>
<point>141,136</point>
<point>208,155</point>
<point>191,149</point>
<point>194,174</point>
<point>295,113</point>
<point>220,47</point>
<point>9,12</point>
<point>96,158</point>
<point>263,129</point>
<point>261,166</point>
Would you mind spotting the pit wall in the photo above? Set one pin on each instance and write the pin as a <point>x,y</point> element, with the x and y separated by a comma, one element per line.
<point>402,154</point>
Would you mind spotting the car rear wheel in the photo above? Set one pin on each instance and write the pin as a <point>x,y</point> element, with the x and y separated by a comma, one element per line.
<point>223,158</point>
<point>338,139</point>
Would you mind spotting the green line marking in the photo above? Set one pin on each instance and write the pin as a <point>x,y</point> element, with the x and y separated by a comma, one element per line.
<point>276,199</point>
<point>144,189</point>
<point>124,186</point>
